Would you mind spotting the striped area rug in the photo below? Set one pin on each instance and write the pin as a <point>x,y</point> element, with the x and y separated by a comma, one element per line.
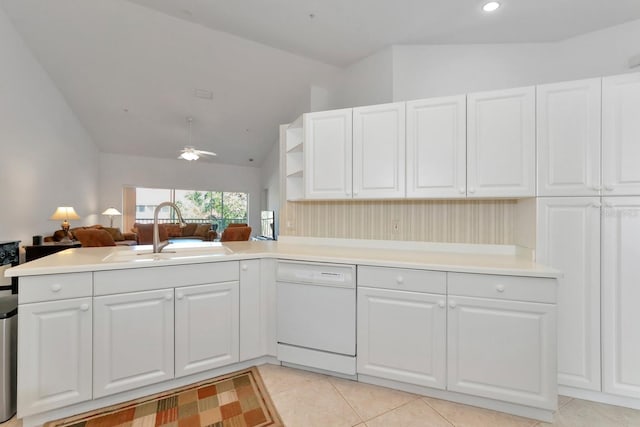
<point>234,400</point>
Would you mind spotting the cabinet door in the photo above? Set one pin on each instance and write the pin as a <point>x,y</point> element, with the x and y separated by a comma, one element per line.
<point>54,355</point>
<point>401,336</point>
<point>568,238</point>
<point>252,311</point>
<point>207,327</point>
<point>502,350</point>
<point>621,135</point>
<point>620,296</point>
<point>133,343</point>
<point>437,147</point>
<point>328,142</point>
<point>568,138</point>
<point>501,143</point>
<point>378,151</point>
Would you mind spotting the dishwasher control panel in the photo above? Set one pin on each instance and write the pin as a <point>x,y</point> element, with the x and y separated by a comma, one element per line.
<point>316,273</point>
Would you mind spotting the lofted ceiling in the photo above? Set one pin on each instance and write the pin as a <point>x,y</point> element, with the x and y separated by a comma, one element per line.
<point>130,69</point>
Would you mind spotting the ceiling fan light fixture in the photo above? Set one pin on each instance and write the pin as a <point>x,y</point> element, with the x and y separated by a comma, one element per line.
<point>189,155</point>
<point>491,6</point>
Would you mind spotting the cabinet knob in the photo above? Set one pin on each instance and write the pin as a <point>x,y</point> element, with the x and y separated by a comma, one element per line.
<point>355,193</point>
<point>452,304</point>
<point>168,297</point>
<point>56,287</point>
<point>84,307</point>
<point>597,187</point>
<point>472,190</point>
<point>441,304</point>
<point>500,288</point>
<point>461,190</point>
<point>400,280</point>
<point>347,193</point>
<point>608,187</point>
<point>244,267</point>
<point>596,205</point>
<point>179,295</point>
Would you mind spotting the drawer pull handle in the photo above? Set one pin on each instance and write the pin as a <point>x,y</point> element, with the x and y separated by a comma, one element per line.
<point>452,304</point>
<point>596,205</point>
<point>500,288</point>
<point>400,280</point>
<point>56,287</point>
<point>179,295</point>
<point>245,267</point>
<point>84,307</point>
<point>608,187</point>
<point>597,187</point>
<point>168,297</point>
<point>441,304</point>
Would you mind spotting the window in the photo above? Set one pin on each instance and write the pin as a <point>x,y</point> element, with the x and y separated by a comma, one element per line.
<point>218,208</point>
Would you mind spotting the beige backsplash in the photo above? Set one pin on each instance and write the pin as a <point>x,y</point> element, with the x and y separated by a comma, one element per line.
<point>464,221</point>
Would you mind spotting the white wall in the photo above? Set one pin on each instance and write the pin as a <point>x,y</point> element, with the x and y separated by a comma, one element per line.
<point>117,171</point>
<point>366,82</point>
<point>270,180</point>
<point>47,159</point>
<point>427,71</point>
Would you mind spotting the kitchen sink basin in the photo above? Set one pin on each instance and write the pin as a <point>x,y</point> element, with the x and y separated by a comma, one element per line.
<point>170,252</point>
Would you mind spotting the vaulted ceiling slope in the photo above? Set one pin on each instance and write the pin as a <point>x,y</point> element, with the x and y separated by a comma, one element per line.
<point>129,69</point>
<point>129,73</point>
<point>341,32</point>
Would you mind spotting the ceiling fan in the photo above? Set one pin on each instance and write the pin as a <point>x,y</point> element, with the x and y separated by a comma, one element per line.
<point>189,152</point>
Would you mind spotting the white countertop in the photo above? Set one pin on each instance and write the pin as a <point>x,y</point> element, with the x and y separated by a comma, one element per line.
<point>118,258</point>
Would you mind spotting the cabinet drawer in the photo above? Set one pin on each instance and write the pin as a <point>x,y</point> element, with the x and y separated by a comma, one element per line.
<point>533,289</point>
<point>403,279</point>
<point>54,287</point>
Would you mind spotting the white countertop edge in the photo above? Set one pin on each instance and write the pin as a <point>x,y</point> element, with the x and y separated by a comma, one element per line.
<point>528,269</point>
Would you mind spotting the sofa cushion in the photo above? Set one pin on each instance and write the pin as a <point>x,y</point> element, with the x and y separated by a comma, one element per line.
<point>92,237</point>
<point>202,230</point>
<point>145,233</point>
<point>115,233</point>
<point>235,234</point>
<point>173,230</point>
<point>189,229</point>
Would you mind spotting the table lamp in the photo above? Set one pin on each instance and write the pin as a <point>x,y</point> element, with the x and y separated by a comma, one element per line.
<point>65,213</point>
<point>111,212</point>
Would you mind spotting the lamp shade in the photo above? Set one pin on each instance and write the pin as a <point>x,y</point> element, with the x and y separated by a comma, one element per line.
<point>111,211</point>
<point>64,213</point>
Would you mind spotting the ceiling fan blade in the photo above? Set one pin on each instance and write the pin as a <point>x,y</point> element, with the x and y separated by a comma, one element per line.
<point>206,153</point>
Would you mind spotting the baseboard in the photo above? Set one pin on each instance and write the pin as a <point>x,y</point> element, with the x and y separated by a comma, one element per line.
<point>599,396</point>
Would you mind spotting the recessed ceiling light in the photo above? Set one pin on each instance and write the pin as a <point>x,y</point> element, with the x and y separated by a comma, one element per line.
<point>491,6</point>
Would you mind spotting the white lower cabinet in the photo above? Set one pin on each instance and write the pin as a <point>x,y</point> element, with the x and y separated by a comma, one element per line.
<point>401,336</point>
<point>502,350</point>
<point>133,340</point>
<point>206,327</point>
<point>54,367</point>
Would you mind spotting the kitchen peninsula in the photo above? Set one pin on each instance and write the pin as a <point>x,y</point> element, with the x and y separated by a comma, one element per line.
<point>469,323</point>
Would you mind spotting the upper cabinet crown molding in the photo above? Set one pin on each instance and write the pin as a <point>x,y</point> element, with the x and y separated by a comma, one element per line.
<point>379,151</point>
<point>437,147</point>
<point>621,135</point>
<point>568,138</point>
<point>501,143</point>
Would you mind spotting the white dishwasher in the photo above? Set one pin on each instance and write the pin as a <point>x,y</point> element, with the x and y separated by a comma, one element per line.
<point>316,324</point>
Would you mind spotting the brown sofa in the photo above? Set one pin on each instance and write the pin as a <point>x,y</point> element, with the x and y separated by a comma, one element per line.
<point>96,236</point>
<point>174,232</point>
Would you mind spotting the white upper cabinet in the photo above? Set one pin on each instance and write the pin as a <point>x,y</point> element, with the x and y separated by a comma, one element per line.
<point>437,148</point>
<point>621,135</point>
<point>379,151</point>
<point>568,238</point>
<point>568,133</point>
<point>501,143</point>
<point>620,296</point>
<point>328,142</point>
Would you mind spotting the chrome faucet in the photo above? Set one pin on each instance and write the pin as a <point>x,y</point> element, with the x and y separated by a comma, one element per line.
<point>157,245</point>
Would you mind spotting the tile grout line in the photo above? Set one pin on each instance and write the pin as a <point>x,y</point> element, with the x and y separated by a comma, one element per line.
<point>438,412</point>
<point>346,401</point>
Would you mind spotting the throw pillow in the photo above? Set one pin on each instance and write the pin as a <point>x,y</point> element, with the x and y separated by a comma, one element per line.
<point>58,235</point>
<point>202,230</point>
<point>115,233</point>
<point>189,229</point>
<point>93,237</point>
<point>145,233</point>
<point>173,230</point>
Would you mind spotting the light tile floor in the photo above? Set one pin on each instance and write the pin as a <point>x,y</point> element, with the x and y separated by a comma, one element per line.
<point>306,399</point>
